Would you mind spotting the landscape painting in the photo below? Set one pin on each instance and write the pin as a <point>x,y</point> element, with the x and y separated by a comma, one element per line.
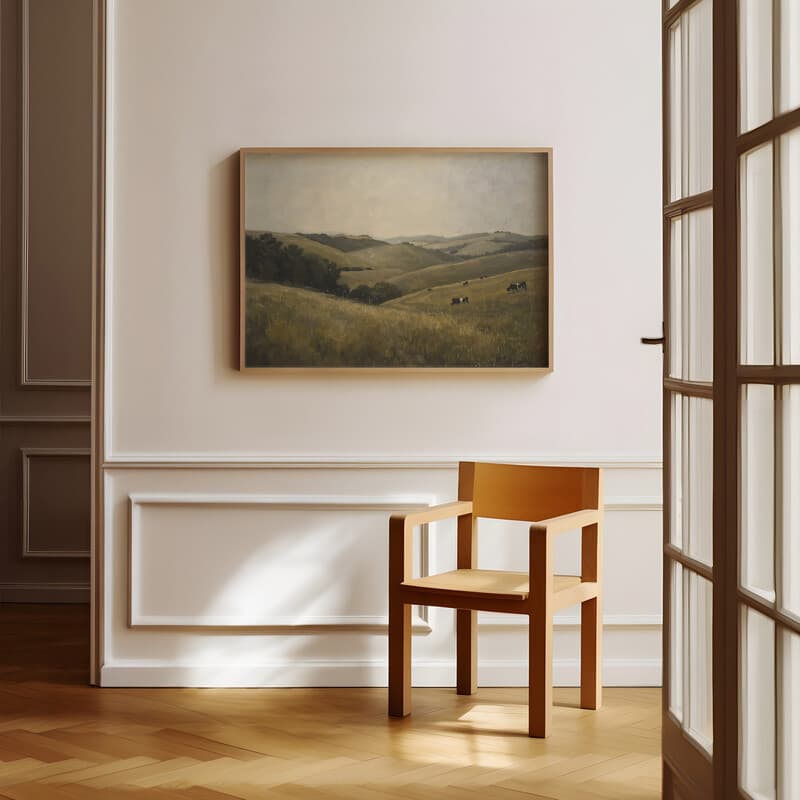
<point>395,259</point>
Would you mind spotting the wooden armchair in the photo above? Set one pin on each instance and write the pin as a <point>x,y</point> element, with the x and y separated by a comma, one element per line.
<point>561,499</point>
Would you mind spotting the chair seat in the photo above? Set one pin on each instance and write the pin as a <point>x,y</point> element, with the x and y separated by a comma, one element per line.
<point>487,583</point>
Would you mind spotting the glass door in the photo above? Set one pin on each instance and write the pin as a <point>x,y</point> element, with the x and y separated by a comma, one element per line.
<point>768,397</point>
<point>689,403</point>
<point>732,399</point>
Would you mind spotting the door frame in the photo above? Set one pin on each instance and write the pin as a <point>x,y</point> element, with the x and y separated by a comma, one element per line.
<point>99,149</point>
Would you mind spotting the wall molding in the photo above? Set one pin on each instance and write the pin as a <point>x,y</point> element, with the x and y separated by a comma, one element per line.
<point>44,592</point>
<point>367,672</point>
<point>102,247</point>
<point>25,378</point>
<point>27,454</point>
<point>643,503</point>
<point>420,622</point>
<point>136,501</point>
<point>17,419</point>
<point>279,624</point>
<point>210,461</point>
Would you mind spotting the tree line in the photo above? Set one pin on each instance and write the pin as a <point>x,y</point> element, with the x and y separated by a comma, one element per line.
<point>270,260</point>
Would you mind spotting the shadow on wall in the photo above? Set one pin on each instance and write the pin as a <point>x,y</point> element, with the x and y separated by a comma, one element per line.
<point>223,261</point>
<point>311,584</point>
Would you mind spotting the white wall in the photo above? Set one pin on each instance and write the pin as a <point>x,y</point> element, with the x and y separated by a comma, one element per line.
<point>192,81</point>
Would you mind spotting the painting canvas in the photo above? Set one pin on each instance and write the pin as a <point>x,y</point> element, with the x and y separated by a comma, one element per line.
<point>396,259</point>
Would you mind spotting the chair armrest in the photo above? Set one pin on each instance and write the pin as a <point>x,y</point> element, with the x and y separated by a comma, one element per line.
<point>567,522</point>
<point>401,528</point>
<point>445,511</point>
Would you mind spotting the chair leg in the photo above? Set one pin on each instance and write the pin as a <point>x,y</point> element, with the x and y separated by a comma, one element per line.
<point>399,659</point>
<point>591,653</point>
<point>466,652</point>
<point>540,673</point>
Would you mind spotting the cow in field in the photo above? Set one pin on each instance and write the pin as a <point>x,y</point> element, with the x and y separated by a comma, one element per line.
<point>459,301</point>
<point>517,286</point>
<point>466,283</point>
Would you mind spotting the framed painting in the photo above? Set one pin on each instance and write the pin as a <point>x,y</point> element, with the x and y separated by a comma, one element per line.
<point>396,259</point>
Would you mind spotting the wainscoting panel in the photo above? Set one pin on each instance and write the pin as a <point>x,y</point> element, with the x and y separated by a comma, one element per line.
<point>55,502</point>
<point>271,575</point>
<point>56,311</point>
<point>45,510</point>
<point>273,570</point>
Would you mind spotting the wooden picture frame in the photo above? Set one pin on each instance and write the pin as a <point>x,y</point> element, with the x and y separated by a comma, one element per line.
<point>328,283</point>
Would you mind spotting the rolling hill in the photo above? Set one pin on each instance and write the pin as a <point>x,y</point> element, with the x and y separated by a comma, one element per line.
<point>473,245</point>
<point>338,257</point>
<point>377,255</point>
<point>459,271</point>
<point>343,242</point>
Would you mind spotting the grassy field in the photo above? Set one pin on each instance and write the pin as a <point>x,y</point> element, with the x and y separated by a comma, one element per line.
<point>486,295</point>
<point>289,326</point>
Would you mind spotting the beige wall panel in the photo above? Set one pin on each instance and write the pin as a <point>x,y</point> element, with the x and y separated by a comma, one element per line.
<point>174,394</point>
<point>180,115</point>
<point>57,162</point>
<point>14,399</point>
<point>56,502</point>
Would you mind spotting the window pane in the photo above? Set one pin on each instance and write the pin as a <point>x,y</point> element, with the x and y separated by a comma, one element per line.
<point>690,89</point>
<point>678,433</point>
<point>789,723</point>
<point>790,240</point>
<point>676,291</point>
<point>791,501</point>
<point>789,56</point>
<point>758,482</point>
<point>757,764</point>
<point>691,475</point>
<point>691,296</point>
<point>755,63</point>
<point>700,328</point>
<point>700,721</point>
<point>676,641</point>
<point>676,111</point>
<point>699,103</point>
<point>757,334</point>
<point>700,479</point>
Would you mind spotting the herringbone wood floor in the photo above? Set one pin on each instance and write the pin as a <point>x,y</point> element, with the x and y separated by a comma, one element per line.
<point>62,740</point>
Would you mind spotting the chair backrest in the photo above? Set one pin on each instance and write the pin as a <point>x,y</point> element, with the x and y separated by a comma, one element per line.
<point>528,493</point>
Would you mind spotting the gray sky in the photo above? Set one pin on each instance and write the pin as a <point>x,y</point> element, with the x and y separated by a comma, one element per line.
<point>404,194</point>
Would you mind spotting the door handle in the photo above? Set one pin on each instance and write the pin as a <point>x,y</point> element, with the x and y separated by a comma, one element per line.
<point>654,339</point>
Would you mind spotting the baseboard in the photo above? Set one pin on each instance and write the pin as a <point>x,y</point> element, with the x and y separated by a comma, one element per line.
<point>44,593</point>
<point>616,672</point>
